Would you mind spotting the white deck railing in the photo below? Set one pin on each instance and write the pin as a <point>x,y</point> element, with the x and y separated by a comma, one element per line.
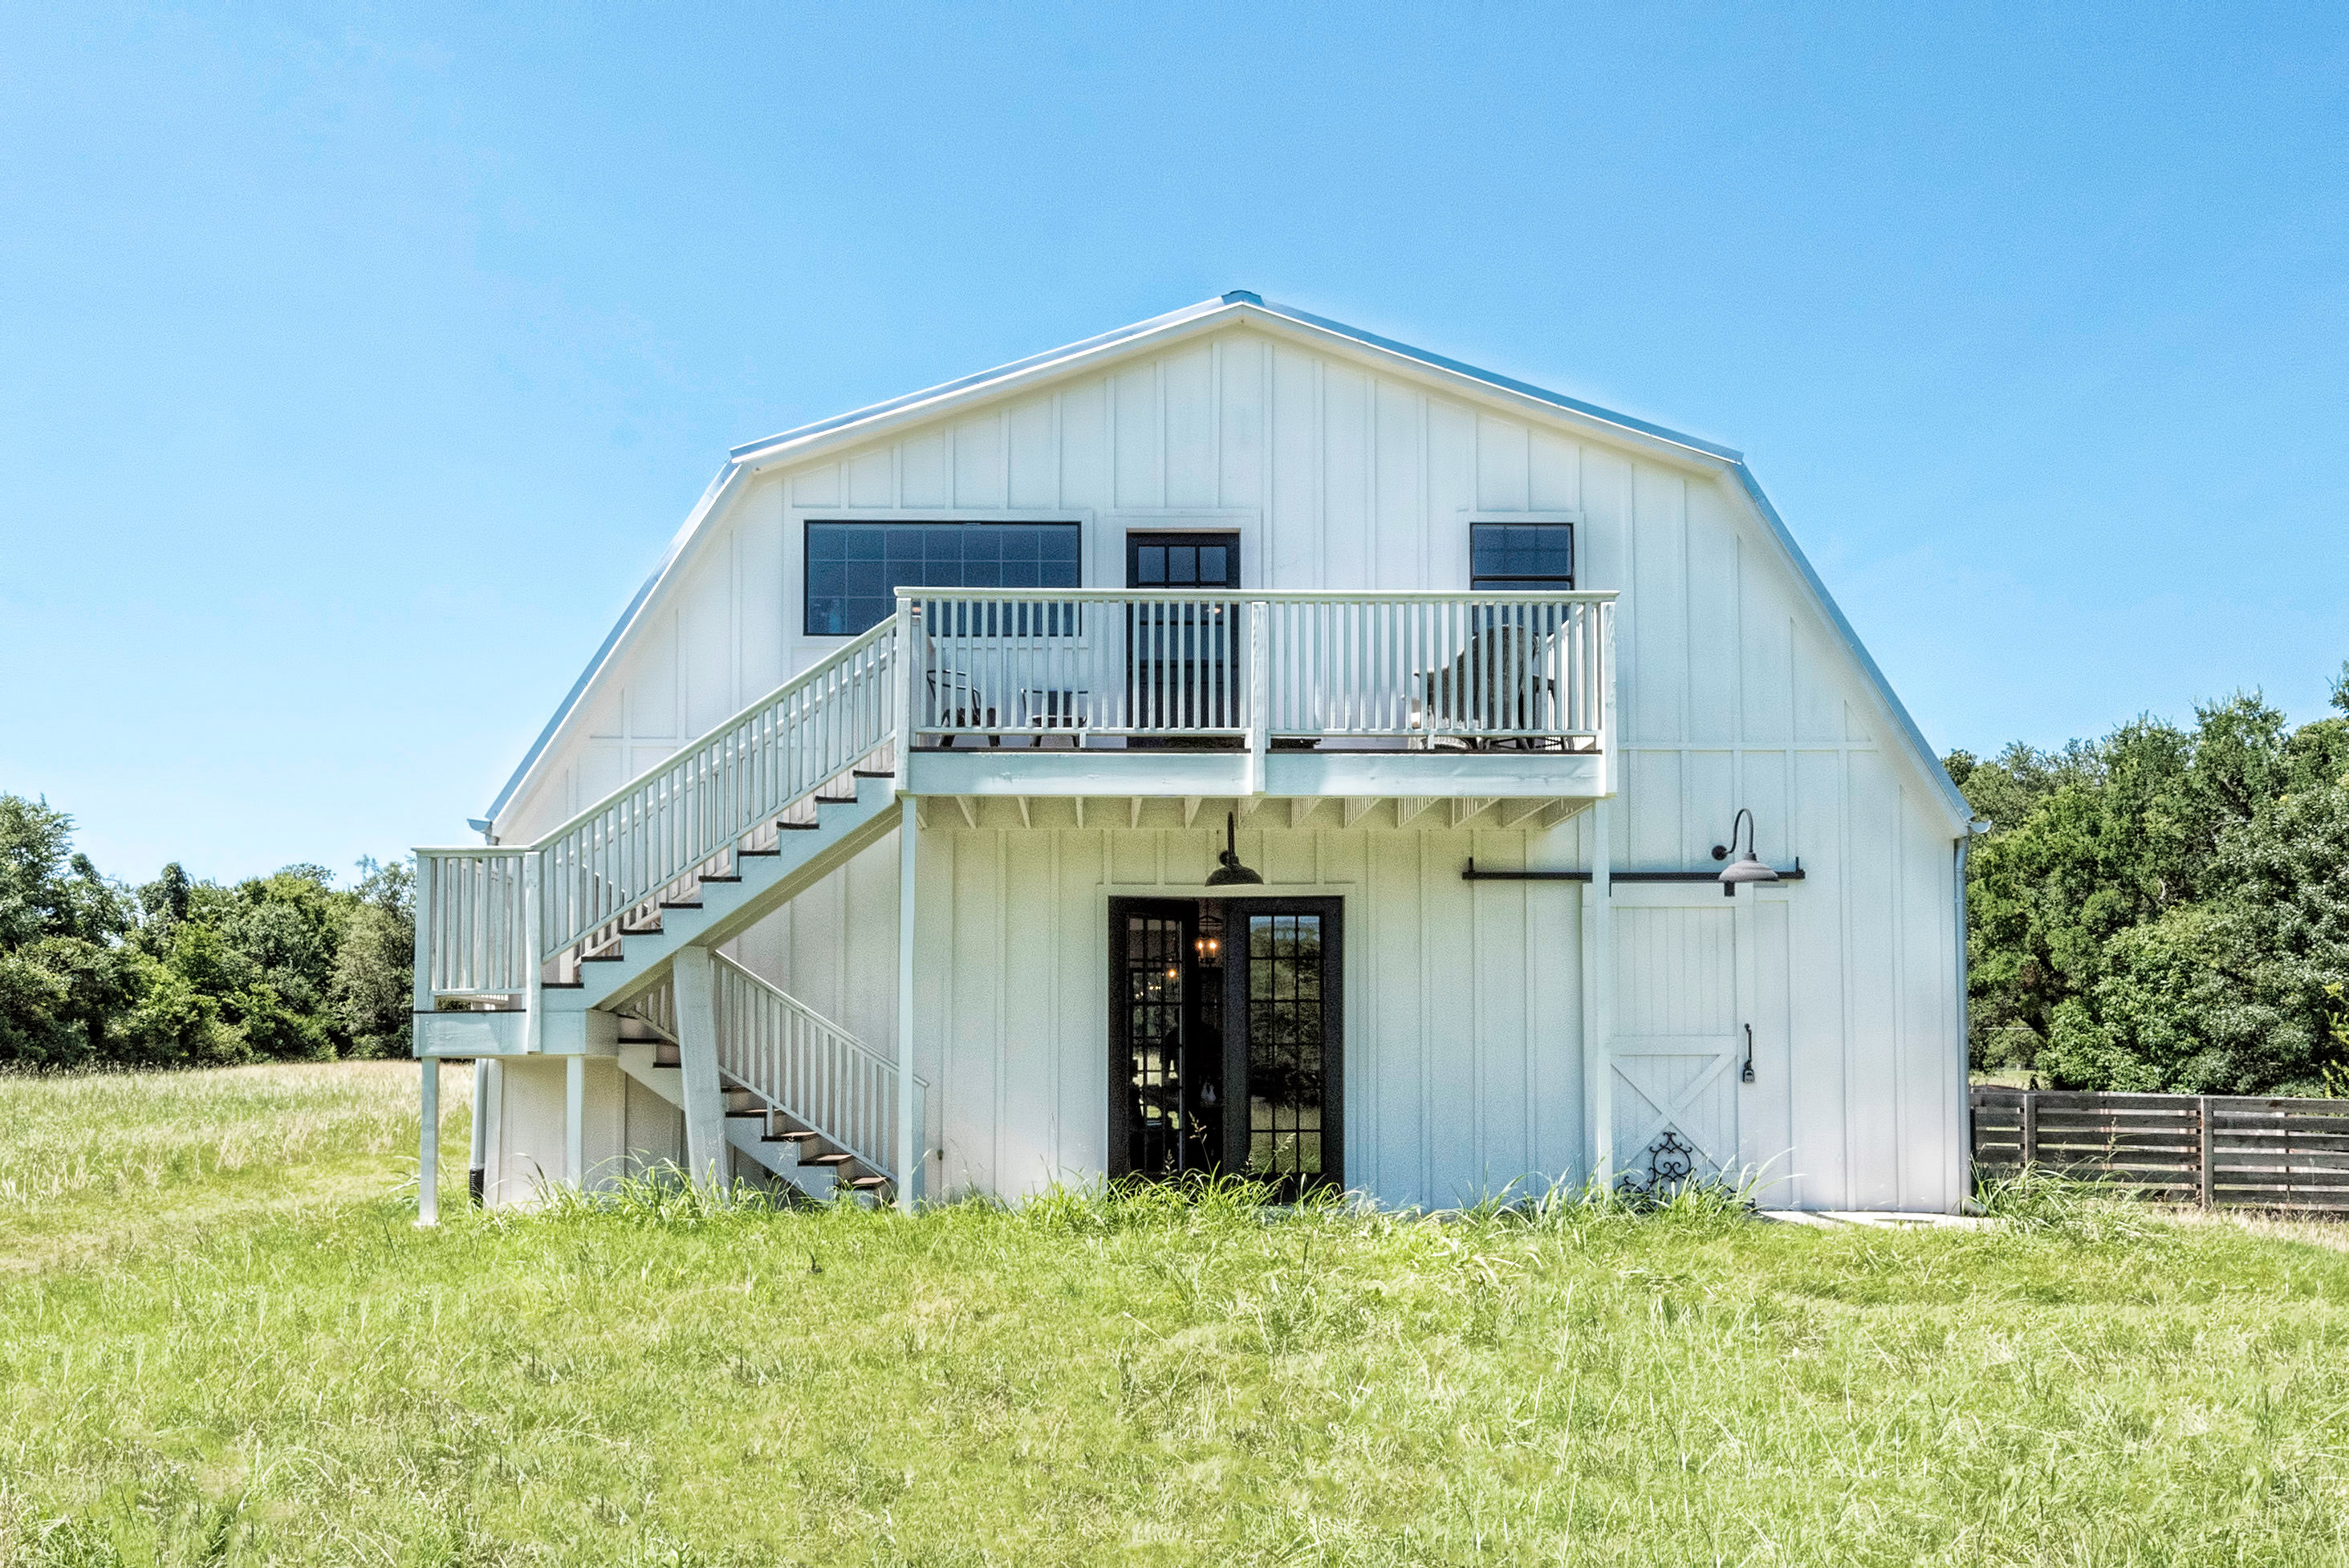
<point>810,1068</point>
<point>1415,669</point>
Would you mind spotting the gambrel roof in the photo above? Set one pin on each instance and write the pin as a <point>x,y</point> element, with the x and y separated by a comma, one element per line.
<point>745,463</point>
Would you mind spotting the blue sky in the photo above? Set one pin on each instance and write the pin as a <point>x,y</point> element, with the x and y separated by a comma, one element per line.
<point>355,364</point>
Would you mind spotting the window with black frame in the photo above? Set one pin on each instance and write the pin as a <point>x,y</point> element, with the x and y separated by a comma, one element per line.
<point>1520,557</point>
<point>856,567</point>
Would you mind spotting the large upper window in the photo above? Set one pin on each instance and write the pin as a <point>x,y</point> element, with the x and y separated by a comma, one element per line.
<point>1520,557</point>
<point>855,568</point>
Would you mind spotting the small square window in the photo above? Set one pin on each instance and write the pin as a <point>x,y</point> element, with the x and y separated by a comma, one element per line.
<point>1521,557</point>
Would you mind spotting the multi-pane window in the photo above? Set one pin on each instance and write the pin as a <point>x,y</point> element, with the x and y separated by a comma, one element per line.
<point>1154,1032</point>
<point>1286,1066</point>
<point>1519,557</point>
<point>1183,561</point>
<point>855,568</point>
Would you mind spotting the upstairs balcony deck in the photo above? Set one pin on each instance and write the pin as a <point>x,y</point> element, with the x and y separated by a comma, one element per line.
<point>1224,693</point>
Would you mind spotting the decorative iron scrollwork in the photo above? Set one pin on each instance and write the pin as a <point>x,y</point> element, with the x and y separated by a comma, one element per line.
<point>1671,1162</point>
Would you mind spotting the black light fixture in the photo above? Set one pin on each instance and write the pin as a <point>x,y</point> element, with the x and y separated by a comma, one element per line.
<point>1747,867</point>
<point>1231,873</point>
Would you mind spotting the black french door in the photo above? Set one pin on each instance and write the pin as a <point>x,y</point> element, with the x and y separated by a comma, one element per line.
<point>1226,1039</point>
<point>1183,669</point>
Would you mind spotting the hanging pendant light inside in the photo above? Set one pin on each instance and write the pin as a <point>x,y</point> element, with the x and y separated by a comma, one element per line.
<point>1747,867</point>
<point>1231,873</point>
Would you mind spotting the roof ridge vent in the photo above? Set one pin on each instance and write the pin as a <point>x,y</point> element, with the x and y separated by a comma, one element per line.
<point>1243,297</point>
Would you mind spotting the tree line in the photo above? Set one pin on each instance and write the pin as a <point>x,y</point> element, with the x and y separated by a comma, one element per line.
<point>2165,909</point>
<point>181,973</point>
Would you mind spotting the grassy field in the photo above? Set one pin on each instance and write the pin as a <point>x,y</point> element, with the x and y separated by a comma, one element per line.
<point>222,1341</point>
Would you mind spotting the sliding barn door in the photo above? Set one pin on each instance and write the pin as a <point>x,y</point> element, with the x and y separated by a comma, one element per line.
<point>1679,1042</point>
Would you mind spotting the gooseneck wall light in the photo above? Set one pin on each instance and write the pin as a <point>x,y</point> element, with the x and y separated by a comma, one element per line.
<point>1747,867</point>
<point>1231,873</point>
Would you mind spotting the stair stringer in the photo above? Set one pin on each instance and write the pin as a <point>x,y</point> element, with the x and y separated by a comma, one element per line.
<point>845,829</point>
<point>780,1159</point>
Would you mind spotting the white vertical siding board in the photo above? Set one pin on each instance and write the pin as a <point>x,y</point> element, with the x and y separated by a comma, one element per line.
<point>973,1050</point>
<point>1929,1026</point>
<point>926,465</point>
<point>1030,909</point>
<point>1871,907</point>
<point>1400,519</point>
<point>815,486</point>
<point>1082,948</point>
<point>1501,464</point>
<point>1554,464</point>
<point>872,478</point>
<point>767,595</point>
<point>1709,803</point>
<point>1034,476</point>
<point>1714,639</point>
<point>1190,427</point>
<point>1451,959</point>
<point>1346,500</point>
<point>1085,479</point>
<point>1293,513</point>
<point>1816,984</point>
<point>1655,704</point>
<point>1240,440</point>
<point>1134,431</point>
<point>1649,825</point>
<point>1767,1114</point>
<point>1554,1017</point>
<point>1451,490</point>
<point>979,474</point>
<point>1818,692</point>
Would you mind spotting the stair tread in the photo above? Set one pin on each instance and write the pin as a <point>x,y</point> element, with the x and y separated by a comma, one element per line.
<point>720,879</point>
<point>864,773</point>
<point>694,904</point>
<point>835,1158</point>
<point>800,827</point>
<point>755,854</point>
<point>868,1182</point>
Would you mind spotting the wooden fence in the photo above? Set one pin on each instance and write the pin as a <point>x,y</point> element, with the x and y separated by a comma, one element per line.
<point>2205,1149</point>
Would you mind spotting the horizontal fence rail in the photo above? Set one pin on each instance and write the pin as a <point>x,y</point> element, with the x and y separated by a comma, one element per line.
<point>811,1069</point>
<point>2240,1151</point>
<point>1206,666</point>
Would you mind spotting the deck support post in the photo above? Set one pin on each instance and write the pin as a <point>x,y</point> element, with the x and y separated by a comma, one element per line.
<point>477,1171</point>
<point>575,1121</point>
<point>696,1051</point>
<point>1597,1051</point>
<point>427,1147</point>
<point>909,1132</point>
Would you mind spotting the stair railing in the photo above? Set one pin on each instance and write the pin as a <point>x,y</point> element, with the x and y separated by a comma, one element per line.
<point>808,1068</point>
<point>649,838</point>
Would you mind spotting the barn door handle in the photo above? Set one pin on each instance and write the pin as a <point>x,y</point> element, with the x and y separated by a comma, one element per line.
<point>1747,1076</point>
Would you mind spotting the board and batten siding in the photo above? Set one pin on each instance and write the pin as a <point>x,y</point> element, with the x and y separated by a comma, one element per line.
<point>1339,474</point>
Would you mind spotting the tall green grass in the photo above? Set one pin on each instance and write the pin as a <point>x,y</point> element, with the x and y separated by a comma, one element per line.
<point>1111,1373</point>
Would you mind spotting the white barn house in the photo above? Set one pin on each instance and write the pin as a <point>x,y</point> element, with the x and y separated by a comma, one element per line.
<point>883,839</point>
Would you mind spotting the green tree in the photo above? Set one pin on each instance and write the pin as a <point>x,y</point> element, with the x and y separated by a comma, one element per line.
<point>61,979</point>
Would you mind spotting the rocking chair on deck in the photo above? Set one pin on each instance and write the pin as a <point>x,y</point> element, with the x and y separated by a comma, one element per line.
<point>1496,684</point>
